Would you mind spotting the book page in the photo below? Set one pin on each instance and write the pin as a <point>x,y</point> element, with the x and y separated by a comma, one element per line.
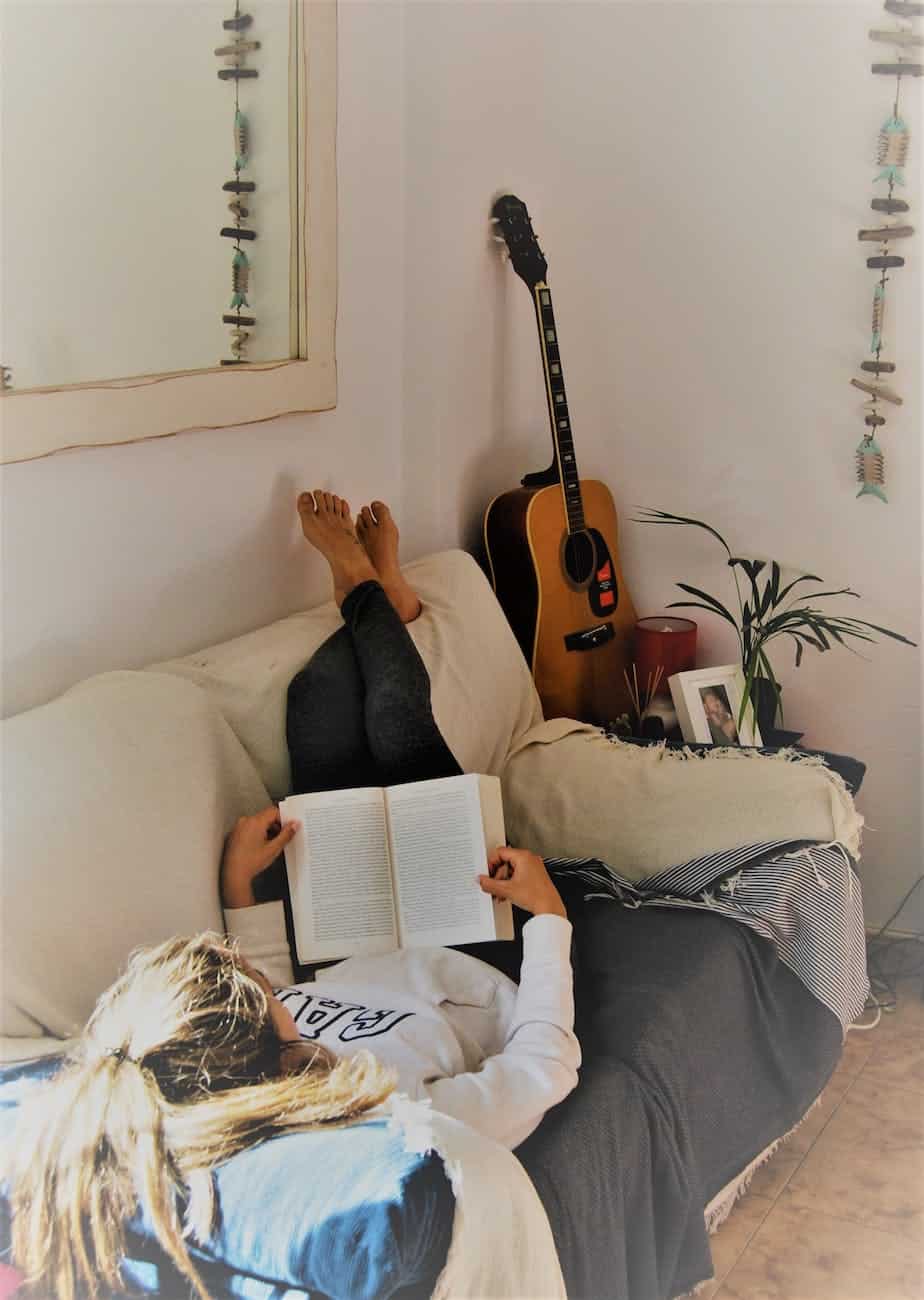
<point>492,824</point>
<point>438,849</point>
<point>340,875</point>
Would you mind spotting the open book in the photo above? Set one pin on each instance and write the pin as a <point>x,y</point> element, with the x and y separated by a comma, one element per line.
<point>372,870</point>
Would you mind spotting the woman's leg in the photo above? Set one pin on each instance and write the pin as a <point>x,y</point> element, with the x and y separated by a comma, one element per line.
<point>325,721</point>
<point>400,727</point>
<point>402,735</point>
<point>325,728</point>
<point>384,676</point>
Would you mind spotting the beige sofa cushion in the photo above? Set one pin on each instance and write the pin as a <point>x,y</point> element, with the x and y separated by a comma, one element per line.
<point>483,696</point>
<point>117,797</point>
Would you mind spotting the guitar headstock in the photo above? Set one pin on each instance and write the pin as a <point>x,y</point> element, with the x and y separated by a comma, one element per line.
<point>512,221</point>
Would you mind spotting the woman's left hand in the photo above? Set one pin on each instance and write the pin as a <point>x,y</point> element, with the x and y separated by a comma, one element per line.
<point>254,843</point>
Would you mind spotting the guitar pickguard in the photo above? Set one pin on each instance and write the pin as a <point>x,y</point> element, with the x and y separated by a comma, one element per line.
<point>603,592</point>
<point>587,566</point>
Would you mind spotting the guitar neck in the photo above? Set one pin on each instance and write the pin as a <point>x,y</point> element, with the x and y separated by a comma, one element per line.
<point>559,418</point>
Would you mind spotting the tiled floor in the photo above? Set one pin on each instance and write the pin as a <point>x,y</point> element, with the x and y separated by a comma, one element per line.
<point>838,1212</point>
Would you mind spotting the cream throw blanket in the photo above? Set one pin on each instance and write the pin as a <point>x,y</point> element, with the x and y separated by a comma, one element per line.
<point>502,1246</point>
<point>569,791</point>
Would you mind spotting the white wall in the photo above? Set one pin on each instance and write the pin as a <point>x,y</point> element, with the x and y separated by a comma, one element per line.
<point>117,556</point>
<point>696,174</point>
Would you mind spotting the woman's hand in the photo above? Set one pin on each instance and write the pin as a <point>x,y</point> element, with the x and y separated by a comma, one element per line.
<point>254,843</point>
<point>520,877</point>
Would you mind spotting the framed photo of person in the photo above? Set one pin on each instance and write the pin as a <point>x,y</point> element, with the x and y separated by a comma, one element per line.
<point>708,703</point>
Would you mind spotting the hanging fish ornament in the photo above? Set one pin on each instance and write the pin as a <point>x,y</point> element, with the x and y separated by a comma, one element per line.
<point>892,151</point>
<point>241,140</point>
<point>240,279</point>
<point>234,52</point>
<point>870,469</point>
<point>878,314</point>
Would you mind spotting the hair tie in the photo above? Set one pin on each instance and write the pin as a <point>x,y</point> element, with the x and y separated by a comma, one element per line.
<point>120,1054</point>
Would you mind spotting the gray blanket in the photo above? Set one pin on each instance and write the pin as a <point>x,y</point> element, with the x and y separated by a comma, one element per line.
<point>701,1047</point>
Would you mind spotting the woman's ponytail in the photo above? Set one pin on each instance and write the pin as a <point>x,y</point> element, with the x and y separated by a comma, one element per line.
<point>178,1069</point>
<point>85,1146</point>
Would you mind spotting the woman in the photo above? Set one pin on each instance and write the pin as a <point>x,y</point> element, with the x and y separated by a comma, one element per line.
<point>190,1056</point>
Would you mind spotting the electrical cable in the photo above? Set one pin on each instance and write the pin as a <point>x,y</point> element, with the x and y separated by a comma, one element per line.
<point>885,973</point>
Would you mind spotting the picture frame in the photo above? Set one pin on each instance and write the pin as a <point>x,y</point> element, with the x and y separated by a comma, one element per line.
<point>708,703</point>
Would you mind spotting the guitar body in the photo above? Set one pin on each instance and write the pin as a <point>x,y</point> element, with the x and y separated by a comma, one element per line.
<point>576,635</point>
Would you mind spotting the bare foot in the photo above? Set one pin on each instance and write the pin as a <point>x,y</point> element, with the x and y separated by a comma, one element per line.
<point>378,533</point>
<point>327,525</point>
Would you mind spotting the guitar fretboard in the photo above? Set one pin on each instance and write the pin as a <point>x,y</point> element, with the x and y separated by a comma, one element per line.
<point>558,408</point>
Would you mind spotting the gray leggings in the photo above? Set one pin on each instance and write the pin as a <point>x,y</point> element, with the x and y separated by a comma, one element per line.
<point>359,712</point>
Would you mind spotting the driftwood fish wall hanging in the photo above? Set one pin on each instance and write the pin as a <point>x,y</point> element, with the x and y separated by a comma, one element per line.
<point>892,152</point>
<point>235,54</point>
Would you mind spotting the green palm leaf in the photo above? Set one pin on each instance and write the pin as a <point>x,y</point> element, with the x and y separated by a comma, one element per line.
<point>807,638</point>
<point>664,517</point>
<point>752,568</point>
<point>800,646</point>
<point>806,577</point>
<point>841,591</point>
<point>716,605</point>
<point>896,636</point>
<point>771,591</point>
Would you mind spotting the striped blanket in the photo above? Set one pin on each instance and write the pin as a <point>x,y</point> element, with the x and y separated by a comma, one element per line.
<point>804,897</point>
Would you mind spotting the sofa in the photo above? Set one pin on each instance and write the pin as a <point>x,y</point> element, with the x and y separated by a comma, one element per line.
<point>701,1048</point>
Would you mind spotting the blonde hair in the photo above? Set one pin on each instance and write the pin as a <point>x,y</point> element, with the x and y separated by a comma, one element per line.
<point>178,1069</point>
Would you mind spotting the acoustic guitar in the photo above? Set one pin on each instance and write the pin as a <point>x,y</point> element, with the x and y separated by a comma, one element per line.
<point>551,543</point>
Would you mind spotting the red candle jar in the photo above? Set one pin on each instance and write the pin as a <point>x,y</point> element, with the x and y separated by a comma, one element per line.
<point>665,642</point>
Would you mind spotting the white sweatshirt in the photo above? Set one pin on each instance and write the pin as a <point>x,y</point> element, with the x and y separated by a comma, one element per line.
<point>486,1051</point>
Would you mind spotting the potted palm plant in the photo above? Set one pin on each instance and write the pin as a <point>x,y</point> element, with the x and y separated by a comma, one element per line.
<point>767,609</point>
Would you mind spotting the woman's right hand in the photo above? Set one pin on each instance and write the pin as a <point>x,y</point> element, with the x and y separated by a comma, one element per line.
<point>521,878</point>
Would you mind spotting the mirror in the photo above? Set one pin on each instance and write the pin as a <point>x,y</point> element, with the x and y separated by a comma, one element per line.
<point>127,132</point>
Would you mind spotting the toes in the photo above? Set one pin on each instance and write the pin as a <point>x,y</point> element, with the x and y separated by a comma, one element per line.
<point>367,517</point>
<point>344,508</point>
<point>380,510</point>
<point>305,503</point>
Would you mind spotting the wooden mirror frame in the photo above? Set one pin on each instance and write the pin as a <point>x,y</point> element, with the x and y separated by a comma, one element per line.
<point>38,421</point>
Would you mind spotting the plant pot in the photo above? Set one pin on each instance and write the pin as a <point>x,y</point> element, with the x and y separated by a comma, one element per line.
<point>766,708</point>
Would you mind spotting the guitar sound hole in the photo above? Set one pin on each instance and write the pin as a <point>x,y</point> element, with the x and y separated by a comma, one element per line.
<point>579,558</point>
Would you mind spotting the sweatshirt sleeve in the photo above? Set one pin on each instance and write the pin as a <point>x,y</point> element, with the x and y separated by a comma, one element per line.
<point>261,934</point>
<point>508,1095</point>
